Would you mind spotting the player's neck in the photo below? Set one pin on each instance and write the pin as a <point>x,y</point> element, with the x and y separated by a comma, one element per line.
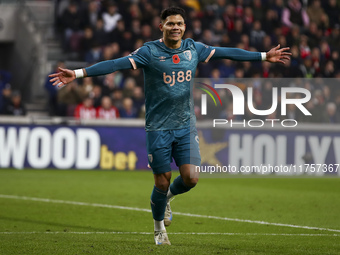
<point>172,44</point>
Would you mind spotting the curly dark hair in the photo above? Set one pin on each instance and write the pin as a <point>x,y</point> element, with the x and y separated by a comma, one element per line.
<point>172,11</point>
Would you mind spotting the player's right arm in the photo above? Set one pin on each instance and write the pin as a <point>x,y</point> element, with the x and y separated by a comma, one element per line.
<point>137,59</point>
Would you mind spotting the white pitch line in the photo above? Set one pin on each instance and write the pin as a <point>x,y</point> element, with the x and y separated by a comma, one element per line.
<point>46,200</point>
<point>179,233</point>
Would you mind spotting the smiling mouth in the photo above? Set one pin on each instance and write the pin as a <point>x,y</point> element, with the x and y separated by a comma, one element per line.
<point>175,33</point>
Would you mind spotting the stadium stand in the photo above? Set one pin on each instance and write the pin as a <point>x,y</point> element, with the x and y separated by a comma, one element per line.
<point>89,31</point>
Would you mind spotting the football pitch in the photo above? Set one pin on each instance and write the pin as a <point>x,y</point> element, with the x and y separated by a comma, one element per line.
<point>108,212</point>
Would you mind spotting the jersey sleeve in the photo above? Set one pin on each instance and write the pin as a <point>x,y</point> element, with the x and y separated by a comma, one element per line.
<point>204,52</point>
<point>140,57</point>
<point>235,54</point>
<point>137,59</point>
<point>108,66</point>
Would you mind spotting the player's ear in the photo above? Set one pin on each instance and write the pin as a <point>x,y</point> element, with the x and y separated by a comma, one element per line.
<point>160,26</point>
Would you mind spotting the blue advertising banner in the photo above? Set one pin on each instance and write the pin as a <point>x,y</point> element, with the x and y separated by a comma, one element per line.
<point>121,148</point>
<point>282,151</point>
<point>286,152</point>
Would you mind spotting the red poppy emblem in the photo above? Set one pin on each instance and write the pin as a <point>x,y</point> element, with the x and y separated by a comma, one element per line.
<point>175,59</point>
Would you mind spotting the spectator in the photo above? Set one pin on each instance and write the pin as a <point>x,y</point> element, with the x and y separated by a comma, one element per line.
<point>219,30</point>
<point>226,68</point>
<point>129,86</point>
<point>237,32</point>
<point>332,116</point>
<point>86,42</point>
<point>15,107</point>
<point>327,94</point>
<point>314,34</point>
<point>294,36</point>
<point>328,70</point>
<point>248,19</point>
<point>336,60</point>
<point>91,14</point>
<point>137,75</point>
<point>127,43</point>
<point>95,54</point>
<point>148,13</point>
<point>135,12</point>
<point>5,98</point>
<point>295,58</point>
<point>111,17</point>
<point>209,38</point>
<point>97,95</point>
<point>317,14</point>
<point>146,33</point>
<point>239,9</point>
<point>111,82</point>
<point>99,34</point>
<point>85,110</point>
<point>334,37</point>
<point>138,98</point>
<point>197,29</point>
<point>266,44</point>
<point>117,98</point>
<point>68,98</point>
<point>87,85</point>
<point>5,78</point>
<point>295,14</point>
<point>258,10</point>
<point>128,110</point>
<point>72,23</point>
<point>278,7</point>
<point>271,22</point>
<point>136,28</point>
<point>325,50</point>
<point>316,60</point>
<point>117,34</point>
<point>229,17</point>
<point>53,92</point>
<point>106,110</point>
<point>304,47</point>
<point>257,35</point>
<point>332,9</point>
<point>307,68</point>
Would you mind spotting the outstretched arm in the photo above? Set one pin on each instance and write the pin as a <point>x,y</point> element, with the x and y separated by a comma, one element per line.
<point>275,55</point>
<point>138,59</point>
<point>65,76</point>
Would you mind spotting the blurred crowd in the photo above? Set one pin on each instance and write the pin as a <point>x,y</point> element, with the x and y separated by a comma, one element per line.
<point>10,100</point>
<point>321,108</point>
<point>97,30</point>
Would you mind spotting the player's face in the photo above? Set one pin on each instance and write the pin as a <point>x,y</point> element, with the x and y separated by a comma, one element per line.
<point>173,28</point>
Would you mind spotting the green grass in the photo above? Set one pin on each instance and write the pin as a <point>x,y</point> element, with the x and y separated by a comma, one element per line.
<point>36,227</point>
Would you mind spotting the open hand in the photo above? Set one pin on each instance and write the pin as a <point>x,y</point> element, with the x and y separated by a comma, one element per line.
<point>63,77</point>
<point>277,55</point>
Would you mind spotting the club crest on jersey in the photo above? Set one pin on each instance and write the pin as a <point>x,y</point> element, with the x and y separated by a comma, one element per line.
<point>187,54</point>
<point>162,58</point>
<point>150,158</point>
<point>175,59</point>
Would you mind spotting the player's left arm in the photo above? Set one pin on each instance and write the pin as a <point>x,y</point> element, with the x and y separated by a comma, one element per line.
<point>275,55</point>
